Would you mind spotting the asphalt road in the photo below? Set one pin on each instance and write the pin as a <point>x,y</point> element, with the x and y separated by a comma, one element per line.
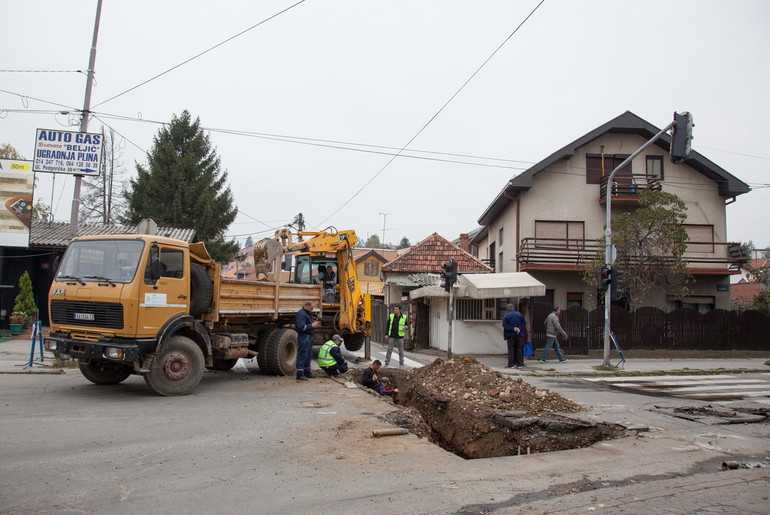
<point>250,443</point>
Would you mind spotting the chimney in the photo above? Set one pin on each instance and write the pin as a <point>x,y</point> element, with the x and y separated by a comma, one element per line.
<point>465,243</point>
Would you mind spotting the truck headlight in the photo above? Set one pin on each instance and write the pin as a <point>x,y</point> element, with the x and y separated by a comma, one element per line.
<point>113,352</point>
<point>50,345</point>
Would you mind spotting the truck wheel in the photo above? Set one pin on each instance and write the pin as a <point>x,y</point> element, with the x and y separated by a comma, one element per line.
<point>224,364</point>
<point>178,369</point>
<point>354,342</point>
<point>201,290</point>
<point>262,361</point>
<point>104,372</point>
<point>282,352</point>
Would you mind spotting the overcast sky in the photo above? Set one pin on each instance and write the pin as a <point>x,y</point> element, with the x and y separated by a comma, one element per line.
<point>340,86</point>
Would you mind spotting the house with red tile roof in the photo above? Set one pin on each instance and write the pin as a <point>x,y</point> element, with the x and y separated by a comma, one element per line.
<point>412,269</point>
<point>478,298</point>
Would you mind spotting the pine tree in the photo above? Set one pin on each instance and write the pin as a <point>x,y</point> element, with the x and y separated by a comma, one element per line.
<point>182,186</point>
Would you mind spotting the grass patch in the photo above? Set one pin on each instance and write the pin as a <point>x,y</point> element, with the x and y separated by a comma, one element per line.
<point>767,362</point>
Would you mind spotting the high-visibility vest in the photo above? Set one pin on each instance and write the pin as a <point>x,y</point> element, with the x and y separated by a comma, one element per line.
<point>401,324</point>
<point>325,358</point>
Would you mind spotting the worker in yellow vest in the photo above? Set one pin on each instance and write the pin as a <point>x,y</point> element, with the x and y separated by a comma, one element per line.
<point>330,357</point>
<point>394,332</point>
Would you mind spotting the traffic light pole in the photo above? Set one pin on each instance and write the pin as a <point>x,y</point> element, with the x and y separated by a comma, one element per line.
<point>608,257</point>
<point>450,318</point>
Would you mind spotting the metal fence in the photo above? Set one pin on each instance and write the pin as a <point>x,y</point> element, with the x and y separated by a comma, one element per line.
<point>650,328</point>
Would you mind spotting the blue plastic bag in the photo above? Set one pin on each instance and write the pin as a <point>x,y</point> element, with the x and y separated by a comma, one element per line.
<point>527,349</point>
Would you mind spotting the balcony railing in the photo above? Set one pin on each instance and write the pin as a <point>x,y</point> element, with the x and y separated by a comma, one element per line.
<point>561,253</point>
<point>625,187</point>
<point>557,252</point>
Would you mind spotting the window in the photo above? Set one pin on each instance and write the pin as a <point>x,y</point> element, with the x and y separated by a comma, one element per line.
<point>572,234</point>
<point>701,304</point>
<point>500,237</point>
<point>701,238</point>
<point>172,263</point>
<point>574,299</point>
<point>492,255</point>
<point>500,262</point>
<point>475,309</point>
<point>372,268</point>
<point>654,165</point>
<point>595,170</point>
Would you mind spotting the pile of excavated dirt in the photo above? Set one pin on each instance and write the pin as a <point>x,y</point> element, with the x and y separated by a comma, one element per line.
<point>478,388</point>
<point>476,412</point>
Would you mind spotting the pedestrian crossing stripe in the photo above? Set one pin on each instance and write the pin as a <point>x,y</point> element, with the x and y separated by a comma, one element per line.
<point>698,387</point>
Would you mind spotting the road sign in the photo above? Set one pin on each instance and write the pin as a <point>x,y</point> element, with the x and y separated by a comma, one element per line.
<point>77,153</point>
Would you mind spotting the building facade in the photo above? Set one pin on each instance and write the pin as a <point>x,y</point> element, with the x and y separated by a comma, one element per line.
<point>549,220</point>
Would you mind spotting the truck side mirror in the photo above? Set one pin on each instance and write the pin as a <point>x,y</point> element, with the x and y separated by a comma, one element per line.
<point>155,269</point>
<point>286,263</point>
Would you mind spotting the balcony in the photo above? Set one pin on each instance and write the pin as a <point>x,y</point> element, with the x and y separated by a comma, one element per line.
<point>573,254</point>
<point>626,187</point>
<point>557,253</point>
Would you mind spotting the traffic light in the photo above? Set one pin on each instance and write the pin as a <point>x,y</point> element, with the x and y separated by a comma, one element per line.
<point>681,137</point>
<point>605,277</point>
<point>449,275</point>
<point>616,283</point>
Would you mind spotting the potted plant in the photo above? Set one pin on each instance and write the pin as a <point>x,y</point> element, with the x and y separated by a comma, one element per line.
<point>25,301</point>
<point>17,322</point>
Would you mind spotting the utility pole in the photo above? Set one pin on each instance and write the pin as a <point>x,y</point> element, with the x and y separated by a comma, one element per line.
<point>384,218</point>
<point>299,223</point>
<point>84,121</point>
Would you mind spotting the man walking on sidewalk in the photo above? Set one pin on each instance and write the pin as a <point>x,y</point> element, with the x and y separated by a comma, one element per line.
<point>552,330</point>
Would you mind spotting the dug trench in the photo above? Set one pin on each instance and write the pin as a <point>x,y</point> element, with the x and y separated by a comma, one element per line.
<point>475,412</point>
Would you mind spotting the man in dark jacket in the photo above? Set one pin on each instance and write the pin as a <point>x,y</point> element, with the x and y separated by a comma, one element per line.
<point>514,325</point>
<point>305,324</point>
<point>371,380</point>
<point>330,357</point>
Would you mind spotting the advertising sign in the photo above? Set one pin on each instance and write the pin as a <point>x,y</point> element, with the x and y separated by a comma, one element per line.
<point>77,153</point>
<point>16,186</point>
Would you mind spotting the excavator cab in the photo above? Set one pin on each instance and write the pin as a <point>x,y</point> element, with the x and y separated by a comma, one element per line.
<point>321,270</point>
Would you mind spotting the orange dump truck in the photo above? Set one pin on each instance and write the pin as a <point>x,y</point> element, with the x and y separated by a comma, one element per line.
<point>143,304</point>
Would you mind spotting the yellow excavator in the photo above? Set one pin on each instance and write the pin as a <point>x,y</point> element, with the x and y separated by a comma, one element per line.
<point>345,310</point>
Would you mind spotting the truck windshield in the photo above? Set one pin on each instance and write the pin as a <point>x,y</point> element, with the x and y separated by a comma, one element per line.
<point>113,261</point>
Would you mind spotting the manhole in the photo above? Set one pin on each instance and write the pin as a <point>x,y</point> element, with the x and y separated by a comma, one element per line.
<point>475,412</point>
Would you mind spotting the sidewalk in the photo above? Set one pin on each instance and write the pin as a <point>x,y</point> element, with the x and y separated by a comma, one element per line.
<point>14,354</point>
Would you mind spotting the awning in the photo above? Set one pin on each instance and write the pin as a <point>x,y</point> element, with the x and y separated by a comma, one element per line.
<point>488,286</point>
<point>495,286</point>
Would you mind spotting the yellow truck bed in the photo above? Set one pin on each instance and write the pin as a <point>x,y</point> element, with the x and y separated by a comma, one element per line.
<point>262,299</point>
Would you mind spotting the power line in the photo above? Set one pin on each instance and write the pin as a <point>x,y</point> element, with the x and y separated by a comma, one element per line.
<point>340,145</point>
<point>201,53</point>
<point>23,97</point>
<point>42,71</point>
<point>425,126</point>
